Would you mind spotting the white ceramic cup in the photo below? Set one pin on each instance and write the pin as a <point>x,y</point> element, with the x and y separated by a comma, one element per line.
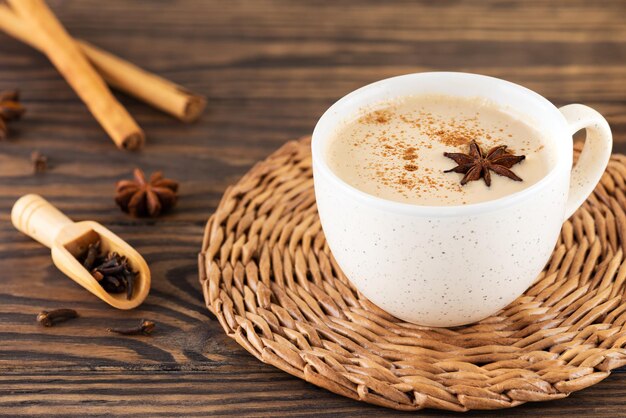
<point>453,265</point>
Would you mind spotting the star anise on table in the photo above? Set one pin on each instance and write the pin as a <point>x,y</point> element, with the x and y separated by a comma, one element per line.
<point>146,198</point>
<point>476,164</point>
<point>10,109</point>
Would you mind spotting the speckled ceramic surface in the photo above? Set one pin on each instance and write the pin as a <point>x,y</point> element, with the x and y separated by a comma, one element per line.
<point>453,265</point>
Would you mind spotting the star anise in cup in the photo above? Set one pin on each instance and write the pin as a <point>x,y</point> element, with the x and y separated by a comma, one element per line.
<point>146,198</point>
<point>476,164</point>
<point>10,109</point>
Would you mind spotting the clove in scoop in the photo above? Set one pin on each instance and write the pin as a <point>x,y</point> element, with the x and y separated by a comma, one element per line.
<point>111,270</point>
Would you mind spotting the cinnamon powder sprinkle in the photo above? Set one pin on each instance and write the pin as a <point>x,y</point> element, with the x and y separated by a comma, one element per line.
<point>379,117</point>
<point>409,154</point>
<point>400,168</point>
<point>455,137</point>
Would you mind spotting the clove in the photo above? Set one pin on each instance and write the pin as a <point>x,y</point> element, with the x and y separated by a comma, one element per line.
<point>92,253</point>
<point>50,318</point>
<point>10,109</point>
<point>40,162</point>
<point>145,327</point>
<point>111,270</point>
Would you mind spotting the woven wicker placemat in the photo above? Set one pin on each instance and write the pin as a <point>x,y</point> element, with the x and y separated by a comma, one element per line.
<point>270,279</point>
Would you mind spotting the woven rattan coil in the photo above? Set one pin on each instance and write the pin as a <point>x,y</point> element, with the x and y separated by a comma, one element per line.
<point>268,276</point>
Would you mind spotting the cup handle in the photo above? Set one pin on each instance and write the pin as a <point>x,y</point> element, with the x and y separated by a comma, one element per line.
<point>595,154</point>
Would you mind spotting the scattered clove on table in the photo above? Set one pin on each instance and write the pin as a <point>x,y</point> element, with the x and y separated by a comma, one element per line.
<point>145,327</point>
<point>10,110</point>
<point>111,270</point>
<point>40,162</point>
<point>50,318</point>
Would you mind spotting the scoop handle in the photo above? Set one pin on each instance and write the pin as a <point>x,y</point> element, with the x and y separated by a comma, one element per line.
<point>36,217</point>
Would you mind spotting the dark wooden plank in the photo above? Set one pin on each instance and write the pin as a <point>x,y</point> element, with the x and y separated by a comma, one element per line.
<point>270,68</point>
<point>241,388</point>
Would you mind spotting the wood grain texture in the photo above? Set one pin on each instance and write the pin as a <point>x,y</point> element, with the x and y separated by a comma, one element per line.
<point>269,68</point>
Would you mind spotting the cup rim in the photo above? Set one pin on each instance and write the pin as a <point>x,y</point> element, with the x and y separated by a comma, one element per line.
<point>320,164</point>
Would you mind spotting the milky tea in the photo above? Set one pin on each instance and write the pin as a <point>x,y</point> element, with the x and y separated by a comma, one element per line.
<point>395,150</point>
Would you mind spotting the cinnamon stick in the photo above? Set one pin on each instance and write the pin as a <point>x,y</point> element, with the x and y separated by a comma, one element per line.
<point>150,88</point>
<point>64,53</point>
<point>120,74</point>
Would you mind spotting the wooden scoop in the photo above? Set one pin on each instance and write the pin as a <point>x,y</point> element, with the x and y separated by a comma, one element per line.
<point>37,218</point>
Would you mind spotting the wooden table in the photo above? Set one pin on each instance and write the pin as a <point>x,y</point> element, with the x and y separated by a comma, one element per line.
<point>270,68</point>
